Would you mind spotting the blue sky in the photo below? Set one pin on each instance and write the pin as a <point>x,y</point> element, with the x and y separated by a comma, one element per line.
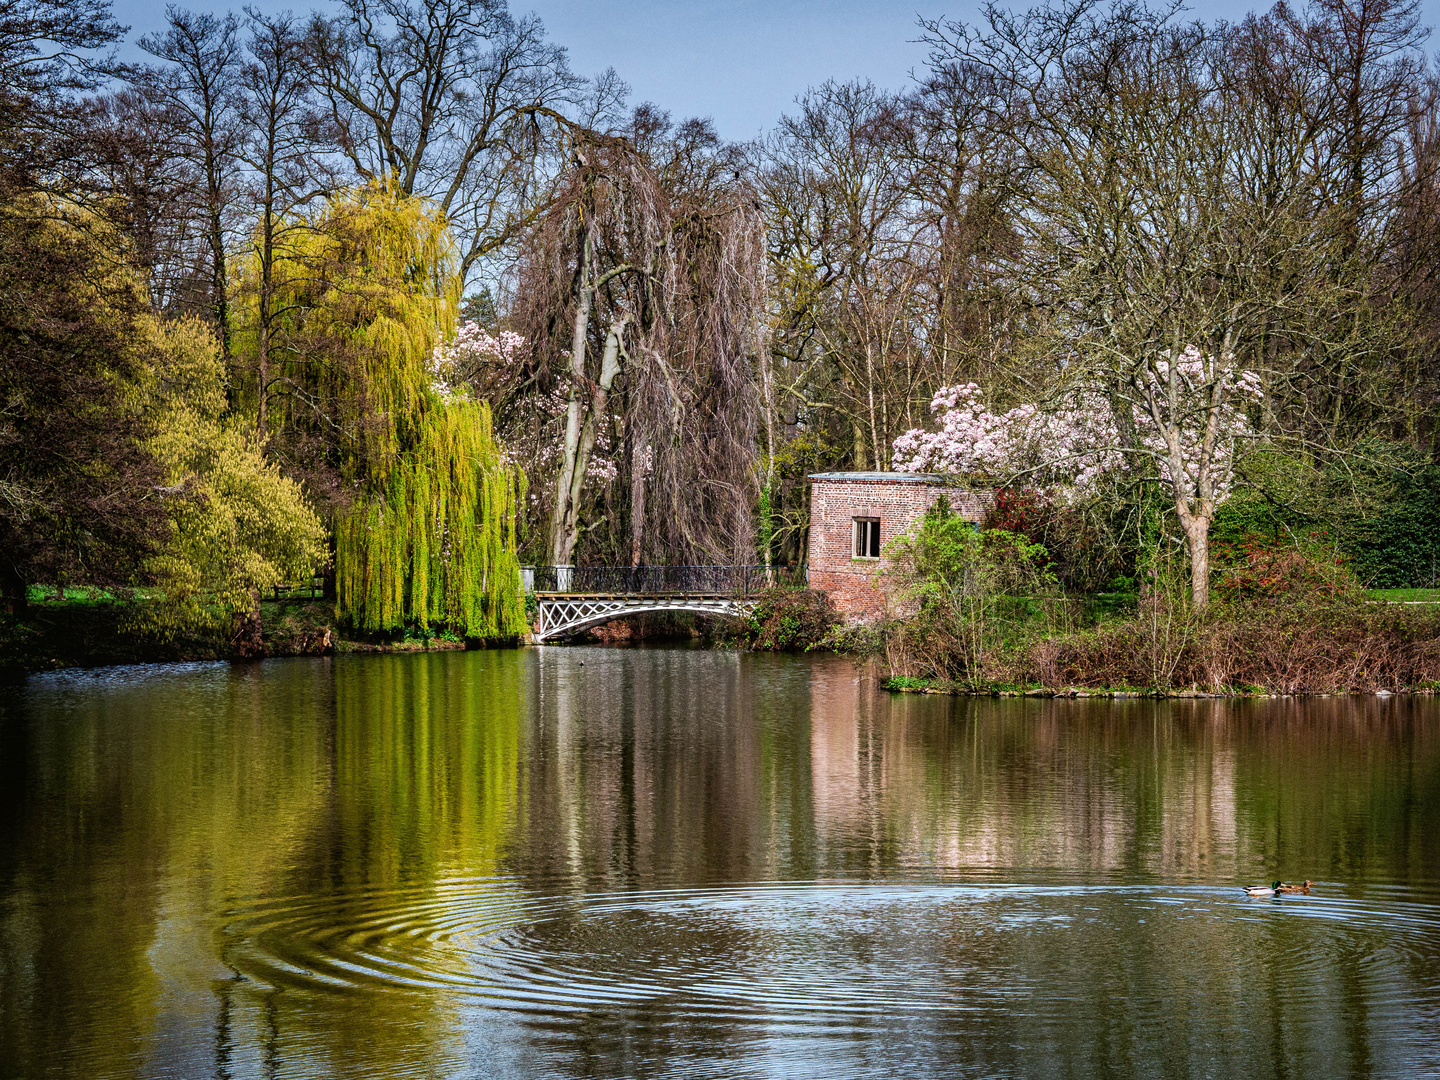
<point>741,63</point>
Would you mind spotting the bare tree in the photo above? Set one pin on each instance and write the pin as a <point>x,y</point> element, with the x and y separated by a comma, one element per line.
<point>1414,261</point>
<point>964,172</point>
<point>279,151</point>
<point>440,95</point>
<point>845,259</point>
<point>47,55</point>
<point>200,85</point>
<point>139,160</point>
<point>1145,239</point>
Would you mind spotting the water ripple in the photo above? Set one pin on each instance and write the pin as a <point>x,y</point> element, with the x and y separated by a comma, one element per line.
<point>801,948</point>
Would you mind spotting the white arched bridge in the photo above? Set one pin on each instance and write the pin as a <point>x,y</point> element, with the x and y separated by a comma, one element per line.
<point>569,599</point>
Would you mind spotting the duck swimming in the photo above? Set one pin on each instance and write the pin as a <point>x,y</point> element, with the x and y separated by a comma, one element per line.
<point>1296,888</point>
<point>1262,890</point>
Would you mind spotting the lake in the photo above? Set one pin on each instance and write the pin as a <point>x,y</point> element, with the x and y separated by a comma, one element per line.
<point>606,862</point>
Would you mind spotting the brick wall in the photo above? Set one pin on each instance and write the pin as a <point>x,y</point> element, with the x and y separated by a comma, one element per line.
<point>859,587</point>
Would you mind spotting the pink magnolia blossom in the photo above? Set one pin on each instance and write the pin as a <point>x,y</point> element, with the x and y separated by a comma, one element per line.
<point>473,349</point>
<point>1072,445</point>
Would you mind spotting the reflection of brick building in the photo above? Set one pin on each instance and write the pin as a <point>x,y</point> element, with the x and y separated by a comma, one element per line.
<point>854,515</point>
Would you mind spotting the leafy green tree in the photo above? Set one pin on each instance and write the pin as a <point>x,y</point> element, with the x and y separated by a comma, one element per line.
<point>238,525</point>
<point>77,488</point>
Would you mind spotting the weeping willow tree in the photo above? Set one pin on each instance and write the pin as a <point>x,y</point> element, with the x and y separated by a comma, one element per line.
<point>433,543</point>
<point>422,501</point>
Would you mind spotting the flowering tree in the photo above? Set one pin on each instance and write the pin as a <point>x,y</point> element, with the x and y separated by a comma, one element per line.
<point>474,356</point>
<point>476,362</point>
<point>1151,226</point>
<point>1066,447</point>
<point>1187,417</point>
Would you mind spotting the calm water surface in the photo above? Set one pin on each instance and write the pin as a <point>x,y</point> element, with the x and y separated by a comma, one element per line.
<point>601,862</point>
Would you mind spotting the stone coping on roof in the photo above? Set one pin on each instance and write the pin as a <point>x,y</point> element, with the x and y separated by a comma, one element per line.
<point>902,477</point>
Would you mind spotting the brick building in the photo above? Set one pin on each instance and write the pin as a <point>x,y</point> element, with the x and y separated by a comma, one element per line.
<point>854,515</point>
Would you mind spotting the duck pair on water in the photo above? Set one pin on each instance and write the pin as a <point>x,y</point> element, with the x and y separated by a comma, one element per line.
<point>1277,888</point>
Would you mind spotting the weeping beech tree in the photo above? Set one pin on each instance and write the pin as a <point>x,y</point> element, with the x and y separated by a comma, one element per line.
<point>640,293</point>
<point>423,502</point>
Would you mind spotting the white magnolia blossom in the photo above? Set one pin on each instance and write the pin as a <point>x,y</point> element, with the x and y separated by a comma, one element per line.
<point>1071,445</point>
<point>472,347</point>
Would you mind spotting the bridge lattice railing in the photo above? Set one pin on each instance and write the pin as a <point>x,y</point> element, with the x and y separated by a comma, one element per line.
<point>655,580</point>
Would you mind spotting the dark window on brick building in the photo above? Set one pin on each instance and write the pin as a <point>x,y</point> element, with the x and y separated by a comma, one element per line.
<point>867,538</point>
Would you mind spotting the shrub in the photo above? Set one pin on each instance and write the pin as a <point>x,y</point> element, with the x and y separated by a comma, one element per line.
<point>1380,502</point>
<point>789,620</point>
<point>1262,571</point>
<point>1401,547</point>
<point>1287,647</point>
<point>974,591</point>
<point>906,682</point>
<point>1075,552</point>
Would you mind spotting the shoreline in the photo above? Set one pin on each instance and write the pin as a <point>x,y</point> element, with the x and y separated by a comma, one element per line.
<point>1077,692</point>
<point>1285,653</point>
<point>121,657</point>
<point>84,635</point>
<point>14,668</point>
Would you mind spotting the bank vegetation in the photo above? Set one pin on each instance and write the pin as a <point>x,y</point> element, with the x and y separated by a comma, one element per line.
<point>982,610</point>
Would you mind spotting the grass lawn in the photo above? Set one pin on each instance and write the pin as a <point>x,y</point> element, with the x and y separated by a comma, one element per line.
<point>1405,596</point>
<point>83,595</point>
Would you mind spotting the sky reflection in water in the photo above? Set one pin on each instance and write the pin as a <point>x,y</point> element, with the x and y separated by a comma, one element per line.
<point>670,861</point>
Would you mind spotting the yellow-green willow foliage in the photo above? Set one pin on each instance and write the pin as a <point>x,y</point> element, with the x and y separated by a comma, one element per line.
<point>358,303</point>
<point>435,545</point>
<point>238,525</point>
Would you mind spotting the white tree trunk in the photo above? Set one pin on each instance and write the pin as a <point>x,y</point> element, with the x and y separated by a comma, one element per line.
<point>566,528</point>
<point>562,514</point>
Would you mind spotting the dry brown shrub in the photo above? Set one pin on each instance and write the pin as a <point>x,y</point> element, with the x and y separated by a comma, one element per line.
<point>1345,647</point>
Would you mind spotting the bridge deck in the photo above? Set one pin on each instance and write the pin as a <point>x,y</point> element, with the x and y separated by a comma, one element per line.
<point>636,595</point>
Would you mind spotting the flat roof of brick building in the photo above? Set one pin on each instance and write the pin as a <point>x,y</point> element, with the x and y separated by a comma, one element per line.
<point>903,477</point>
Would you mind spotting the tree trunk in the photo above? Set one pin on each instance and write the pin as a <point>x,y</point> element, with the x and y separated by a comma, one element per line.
<point>637,503</point>
<point>215,209</point>
<point>245,637</point>
<point>1197,540</point>
<point>561,512</point>
<point>609,368</point>
<point>16,591</point>
<point>876,451</point>
<point>263,370</point>
<point>565,523</point>
<point>767,479</point>
<point>267,288</point>
<point>219,284</point>
<point>329,591</point>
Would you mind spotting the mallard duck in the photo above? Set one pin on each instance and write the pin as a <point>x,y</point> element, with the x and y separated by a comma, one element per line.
<point>1262,890</point>
<point>1296,888</point>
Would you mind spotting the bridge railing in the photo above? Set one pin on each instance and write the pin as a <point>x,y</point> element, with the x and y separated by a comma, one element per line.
<point>654,580</point>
